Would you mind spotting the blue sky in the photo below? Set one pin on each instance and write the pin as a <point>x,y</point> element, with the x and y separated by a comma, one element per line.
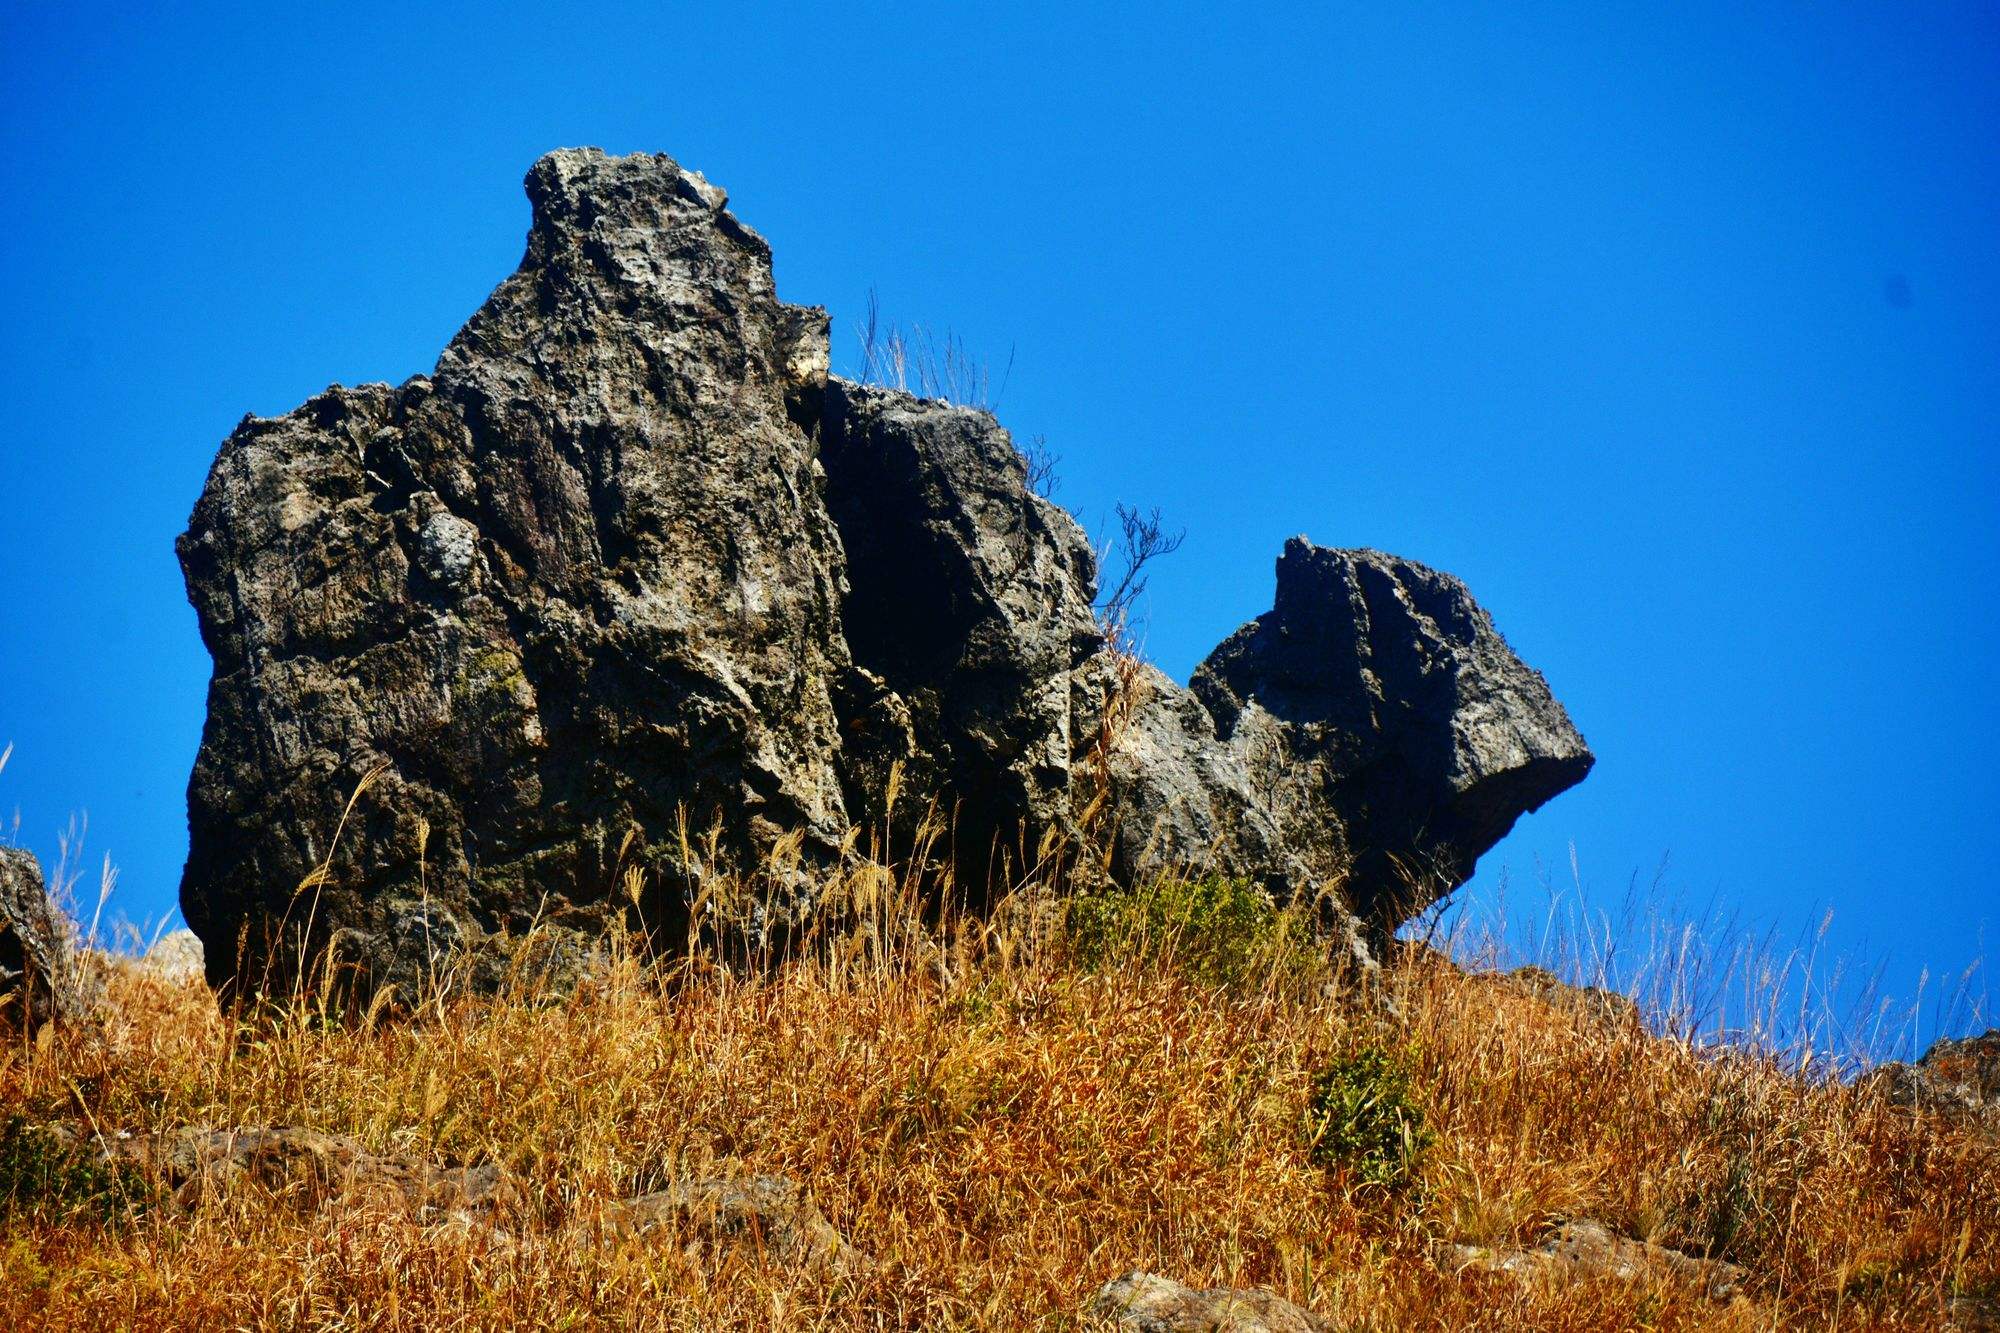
<point>1673,332</point>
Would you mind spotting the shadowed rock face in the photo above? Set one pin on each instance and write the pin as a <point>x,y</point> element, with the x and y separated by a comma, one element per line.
<point>1402,718</point>
<point>628,557</point>
<point>969,602</point>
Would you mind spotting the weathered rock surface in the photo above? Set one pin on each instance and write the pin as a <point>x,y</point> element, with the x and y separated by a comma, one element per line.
<point>575,584</point>
<point>1959,1078</point>
<point>175,958</point>
<point>38,968</point>
<point>727,1212</point>
<point>1372,731</point>
<point>628,563</point>
<point>1590,1248</point>
<point>1609,1011</point>
<point>1973,1314</point>
<point>969,601</point>
<point>731,1213</point>
<point>1400,735</point>
<point>1148,1303</point>
<point>308,1169</point>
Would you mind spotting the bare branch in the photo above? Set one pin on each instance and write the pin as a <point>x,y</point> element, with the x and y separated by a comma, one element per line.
<point>1142,538</point>
<point>1042,462</point>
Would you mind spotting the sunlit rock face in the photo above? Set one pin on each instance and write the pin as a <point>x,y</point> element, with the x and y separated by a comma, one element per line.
<point>629,563</point>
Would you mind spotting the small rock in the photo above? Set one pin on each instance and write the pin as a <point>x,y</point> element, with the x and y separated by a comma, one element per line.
<point>175,958</point>
<point>722,1212</point>
<point>1973,1314</point>
<point>1591,1248</point>
<point>1149,1303</point>
<point>38,971</point>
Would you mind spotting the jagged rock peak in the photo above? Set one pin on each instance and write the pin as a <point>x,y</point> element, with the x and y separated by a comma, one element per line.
<point>1428,734</point>
<point>629,563</point>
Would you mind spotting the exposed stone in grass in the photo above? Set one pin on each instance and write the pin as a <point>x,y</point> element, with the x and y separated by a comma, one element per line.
<point>52,1171</point>
<point>1973,1314</point>
<point>1612,1010</point>
<point>1148,1303</point>
<point>175,958</point>
<point>730,1212</point>
<point>766,1218</point>
<point>309,1168</point>
<point>1590,1248</point>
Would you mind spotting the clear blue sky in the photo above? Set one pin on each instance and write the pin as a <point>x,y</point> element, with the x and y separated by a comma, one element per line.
<point>1673,333</point>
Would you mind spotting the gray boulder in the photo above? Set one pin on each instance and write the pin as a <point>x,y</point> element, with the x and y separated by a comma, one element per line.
<point>1584,1248</point>
<point>175,958</point>
<point>38,966</point>
<point>1371,734</point>
<point>629,589</point>
<point>770,1217</point>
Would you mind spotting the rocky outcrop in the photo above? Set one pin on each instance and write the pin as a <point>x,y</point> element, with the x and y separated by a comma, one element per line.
<point>629,589</point>
<point>1371,732</point>
<point>1959,1078</point>
<point>1149,1303</point>
<point>39,979</point>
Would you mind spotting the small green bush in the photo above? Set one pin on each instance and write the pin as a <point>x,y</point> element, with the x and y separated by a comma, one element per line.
<point>41,1173</point>
<point>1219,932</point>
<point>1361,1115</point>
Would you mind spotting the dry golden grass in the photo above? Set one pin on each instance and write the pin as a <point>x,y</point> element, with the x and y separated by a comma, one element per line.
<point>1002,1127</point>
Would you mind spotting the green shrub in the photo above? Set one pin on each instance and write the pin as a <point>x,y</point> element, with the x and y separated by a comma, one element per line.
<point>1361,1115</point>
<point>42,1173</point>
<point>1219,932</point>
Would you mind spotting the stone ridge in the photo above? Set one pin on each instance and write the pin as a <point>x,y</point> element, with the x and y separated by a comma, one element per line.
<point>630,565</point>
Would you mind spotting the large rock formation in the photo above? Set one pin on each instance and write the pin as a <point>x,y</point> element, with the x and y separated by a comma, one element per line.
<point>629,565</point>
